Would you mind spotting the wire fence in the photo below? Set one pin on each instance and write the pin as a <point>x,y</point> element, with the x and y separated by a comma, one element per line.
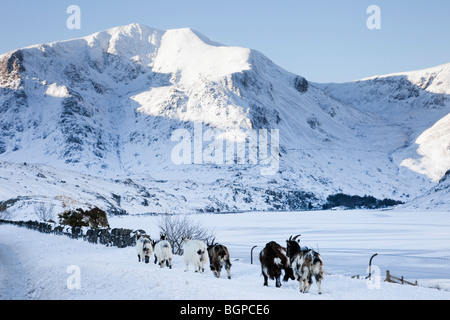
<point>431,271</point>
<point>386,254</point>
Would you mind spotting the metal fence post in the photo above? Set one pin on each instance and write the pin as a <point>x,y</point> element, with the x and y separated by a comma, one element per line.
<point>251,255</point>
<point>370,266</point>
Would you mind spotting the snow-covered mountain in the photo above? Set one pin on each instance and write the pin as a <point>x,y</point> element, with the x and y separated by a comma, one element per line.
<point>96,117</point>
<point>415,102</point>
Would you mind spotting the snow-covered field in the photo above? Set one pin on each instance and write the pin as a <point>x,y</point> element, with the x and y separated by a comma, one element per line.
<point>39,266</point>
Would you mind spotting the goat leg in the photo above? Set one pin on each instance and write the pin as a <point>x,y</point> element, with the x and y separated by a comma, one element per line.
<point>278,282</point>
<point>266,284</point>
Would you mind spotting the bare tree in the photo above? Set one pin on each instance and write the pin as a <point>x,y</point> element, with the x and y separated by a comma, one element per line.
<point>43,212</point>
<point>176,228</point>
<point>5,215</point>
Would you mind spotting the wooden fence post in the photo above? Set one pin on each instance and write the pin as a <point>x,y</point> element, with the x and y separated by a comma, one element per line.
<point>394,279</point>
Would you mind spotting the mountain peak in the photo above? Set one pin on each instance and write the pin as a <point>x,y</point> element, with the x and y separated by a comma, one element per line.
<point>188,32</point>
<point>108,103</point>
<point>140,31</point>
<point>131,29</point>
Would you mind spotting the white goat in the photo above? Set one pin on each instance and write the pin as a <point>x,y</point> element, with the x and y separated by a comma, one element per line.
<point>163,253</point>
<point>195,252</point>
<point>144,248</point>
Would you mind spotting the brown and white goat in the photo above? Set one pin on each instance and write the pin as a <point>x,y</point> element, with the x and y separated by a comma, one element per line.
<point>218,257</point>
<point>274,260</point>
<point>306,264</point>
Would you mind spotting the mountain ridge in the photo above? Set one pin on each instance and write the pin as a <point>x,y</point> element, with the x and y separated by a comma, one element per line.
<point>106,106</point>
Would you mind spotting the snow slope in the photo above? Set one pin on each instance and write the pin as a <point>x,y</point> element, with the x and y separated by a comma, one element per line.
<point>434,147</point>
<point>437,197</point>
<point>416,103</point>
<point>42,270</point>
<point>106,106</point>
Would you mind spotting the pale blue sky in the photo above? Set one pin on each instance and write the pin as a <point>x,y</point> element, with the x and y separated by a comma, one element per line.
<point>322,40</point>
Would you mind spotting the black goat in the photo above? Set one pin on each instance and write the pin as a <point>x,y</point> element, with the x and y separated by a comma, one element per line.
<point>274,260</point>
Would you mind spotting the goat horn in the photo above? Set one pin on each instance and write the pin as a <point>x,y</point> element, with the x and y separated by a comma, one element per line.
<point>296,236</point>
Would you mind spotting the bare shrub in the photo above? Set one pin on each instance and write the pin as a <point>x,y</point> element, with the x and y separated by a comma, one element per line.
<point>94,218</point>
<point>5,215</point>
<point>43,212</point>
<point>176,228</point>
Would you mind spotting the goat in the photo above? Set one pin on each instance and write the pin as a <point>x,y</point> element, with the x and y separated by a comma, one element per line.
<point>195,252</point>
<point>163,252</point>
<point>274,260</point>
<point>306,264</point>
<point>218,257</point>
<point>144,248</point>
